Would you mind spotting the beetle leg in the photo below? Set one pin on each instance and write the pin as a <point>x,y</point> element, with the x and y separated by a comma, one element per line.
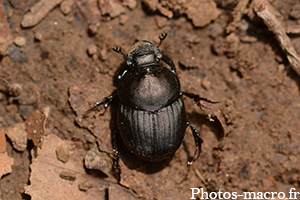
<point>119,50</point>
<point>115,144</point>
<point>168,60</point>
<point>197,99</point>
<point>162,37</point>
<point>123,74</point>
<point>198,142</point>
<point>106,102</point>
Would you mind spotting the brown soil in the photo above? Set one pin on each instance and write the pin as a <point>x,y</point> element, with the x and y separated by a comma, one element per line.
<point>246,70</point>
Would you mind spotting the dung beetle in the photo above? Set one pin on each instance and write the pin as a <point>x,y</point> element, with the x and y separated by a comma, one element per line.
<point>151,118</point>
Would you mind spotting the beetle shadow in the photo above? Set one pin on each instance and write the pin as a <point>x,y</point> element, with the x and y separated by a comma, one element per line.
<point>134,163</point>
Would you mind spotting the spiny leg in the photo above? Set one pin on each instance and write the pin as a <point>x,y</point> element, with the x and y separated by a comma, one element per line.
<point>119,50</point>
<point>197,99</point>
<point>168,60</point>
<point>106,102</point>
<point>162,37</point>
<point>198,142</point>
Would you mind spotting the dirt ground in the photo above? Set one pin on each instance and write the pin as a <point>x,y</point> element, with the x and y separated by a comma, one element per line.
<point>55,66</point>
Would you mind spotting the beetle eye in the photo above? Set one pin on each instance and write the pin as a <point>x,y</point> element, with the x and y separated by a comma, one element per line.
<point>158,56</point>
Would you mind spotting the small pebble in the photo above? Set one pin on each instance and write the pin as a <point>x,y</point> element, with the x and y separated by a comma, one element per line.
<point>161,21</point>
<point>131,4</point>
<point>281,68</point>
<point>206,83</point>
<point>95,56</point>
<point>10,13</point>
<point>38,36</point>
<point>295,14</point>
<point>92,49</point>
<point>103,54</point>
<point>17,29</point>
<point>164,11</point>
<point>94,28</point>
<point>66,6</point>
<point>279,59</point>
<point>151,5</point>
<point>70,19</point>
<point>14,89</point>
<point>85,186</point>
<point>20,41</point>
<point>2,40</point>
<point>123,19</point>
<point>67,175</point>
<point>215,30</point>
<point>62,153</point>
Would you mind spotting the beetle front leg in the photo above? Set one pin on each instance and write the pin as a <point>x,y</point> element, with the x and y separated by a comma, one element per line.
<point>197,99</point>
<point>106,102</point>
<point>169,61</point>
<point>198,142</point>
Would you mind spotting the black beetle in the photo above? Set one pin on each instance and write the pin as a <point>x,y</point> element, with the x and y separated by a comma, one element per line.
<point>151,117</point>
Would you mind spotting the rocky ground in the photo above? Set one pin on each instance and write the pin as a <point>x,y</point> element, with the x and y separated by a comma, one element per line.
<point>56,61</point>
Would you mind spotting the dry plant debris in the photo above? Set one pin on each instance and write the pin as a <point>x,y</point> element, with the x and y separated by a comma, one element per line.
<point>17,135</point>
<point>97,160</point>
<point>2,141</point>
<point>6,38</point>
<point>263,11</point>
<point>38,12</point>
<point>266,12</point>
<point>5,164</point>
<point>35,127</point>
<point>78,98</point>
<point>46,180</point>
<point>23,5</point>
<point>237,15</point>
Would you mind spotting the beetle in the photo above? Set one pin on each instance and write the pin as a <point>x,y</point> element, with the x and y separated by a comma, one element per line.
<point>151,118</point>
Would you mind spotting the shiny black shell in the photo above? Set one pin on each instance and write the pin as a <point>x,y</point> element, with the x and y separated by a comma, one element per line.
<point>151,115</point>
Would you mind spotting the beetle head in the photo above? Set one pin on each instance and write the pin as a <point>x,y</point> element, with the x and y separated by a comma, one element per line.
<point>143,55</point>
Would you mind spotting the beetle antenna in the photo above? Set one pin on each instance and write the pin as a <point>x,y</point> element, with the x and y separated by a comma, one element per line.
<point>119,50</point>
<point>162,37</point>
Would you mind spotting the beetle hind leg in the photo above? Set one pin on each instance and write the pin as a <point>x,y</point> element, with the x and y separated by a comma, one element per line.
<point>198,142</point>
